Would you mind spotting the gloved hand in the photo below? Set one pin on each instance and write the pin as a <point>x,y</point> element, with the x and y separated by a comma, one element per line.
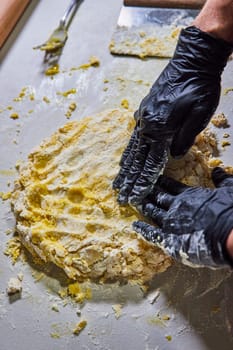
<point>194,222</point>
<point>178,106</point>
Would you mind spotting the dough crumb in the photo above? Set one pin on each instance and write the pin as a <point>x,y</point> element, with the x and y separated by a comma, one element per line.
<point>117,308</point>
<point>55,308</point>
<point>77,292</point>
<point>14,116</point>
<point>14,286</point>
<point>93,62</point>
<point>79,327</point>
<point>46,99</point>
<point>220,121</point>
<point>20,276</point>
<point>78,312</point>
<point>227,90</point>
<point>5,195</point>
<point>13,249</point>
<point>125,104</point>
<point>214,162</point>
<point>225,143</point>
<point>168,337</point>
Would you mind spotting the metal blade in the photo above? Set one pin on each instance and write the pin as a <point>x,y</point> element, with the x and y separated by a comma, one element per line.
<point>138,16</point>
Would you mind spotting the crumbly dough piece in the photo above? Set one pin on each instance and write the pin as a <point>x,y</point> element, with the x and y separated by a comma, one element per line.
<point>152,41</point>
<point>220,121</point>
<point>67,212</point>
<point>194,168</point>
<point>14,286</point>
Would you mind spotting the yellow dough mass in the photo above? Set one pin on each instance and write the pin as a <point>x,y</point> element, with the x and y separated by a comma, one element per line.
<point>67,212</point>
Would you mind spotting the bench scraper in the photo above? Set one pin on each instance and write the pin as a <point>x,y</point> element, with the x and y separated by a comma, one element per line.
<point>151,27</point>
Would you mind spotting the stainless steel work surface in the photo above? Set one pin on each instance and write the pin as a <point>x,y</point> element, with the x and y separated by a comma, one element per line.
<point>184,308</point>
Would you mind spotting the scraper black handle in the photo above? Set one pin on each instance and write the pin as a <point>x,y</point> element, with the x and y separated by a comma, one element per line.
<point>187,4</point>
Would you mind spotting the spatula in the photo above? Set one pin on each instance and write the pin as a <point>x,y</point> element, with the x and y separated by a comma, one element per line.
<point>151,27</point>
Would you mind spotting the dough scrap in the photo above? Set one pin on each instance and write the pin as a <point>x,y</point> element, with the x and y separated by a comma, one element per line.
<point>151,42</point>
<point>67,212</point>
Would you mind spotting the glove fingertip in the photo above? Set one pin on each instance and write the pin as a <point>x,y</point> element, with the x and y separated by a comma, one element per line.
<point>148,232</point>
<point>221,178</point>
<point>138,194</point>
<point>135,200</point>
<point>148,208</point>
<point>138,226</point>
<point>116,185</point>
<point>218,170</point>
<point>122,200</point>
<point>218,174</point>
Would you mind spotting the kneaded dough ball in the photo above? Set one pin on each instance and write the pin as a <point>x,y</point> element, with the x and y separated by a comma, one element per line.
<point>67,212</point>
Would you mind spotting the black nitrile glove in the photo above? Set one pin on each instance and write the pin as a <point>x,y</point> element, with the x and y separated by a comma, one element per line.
<point>194,222</point>
<point>178,106</point>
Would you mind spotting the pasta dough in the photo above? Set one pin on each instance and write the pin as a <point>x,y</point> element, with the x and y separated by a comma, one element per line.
<point>67,212</point>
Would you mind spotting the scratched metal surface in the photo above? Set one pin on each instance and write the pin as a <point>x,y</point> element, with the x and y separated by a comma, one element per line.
<point>198,302</point>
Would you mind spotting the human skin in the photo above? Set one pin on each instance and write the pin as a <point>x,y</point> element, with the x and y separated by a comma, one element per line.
<point>229,244</point>
<point>216,18</point>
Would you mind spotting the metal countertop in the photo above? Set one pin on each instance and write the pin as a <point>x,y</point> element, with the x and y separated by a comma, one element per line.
<point>198,302</point>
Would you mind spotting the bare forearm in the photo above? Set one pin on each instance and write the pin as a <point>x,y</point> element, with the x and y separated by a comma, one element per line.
<point>216,18</point>
<point>229,244</point>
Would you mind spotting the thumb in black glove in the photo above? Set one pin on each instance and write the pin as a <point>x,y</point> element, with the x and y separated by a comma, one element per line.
<point>194,222</point>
